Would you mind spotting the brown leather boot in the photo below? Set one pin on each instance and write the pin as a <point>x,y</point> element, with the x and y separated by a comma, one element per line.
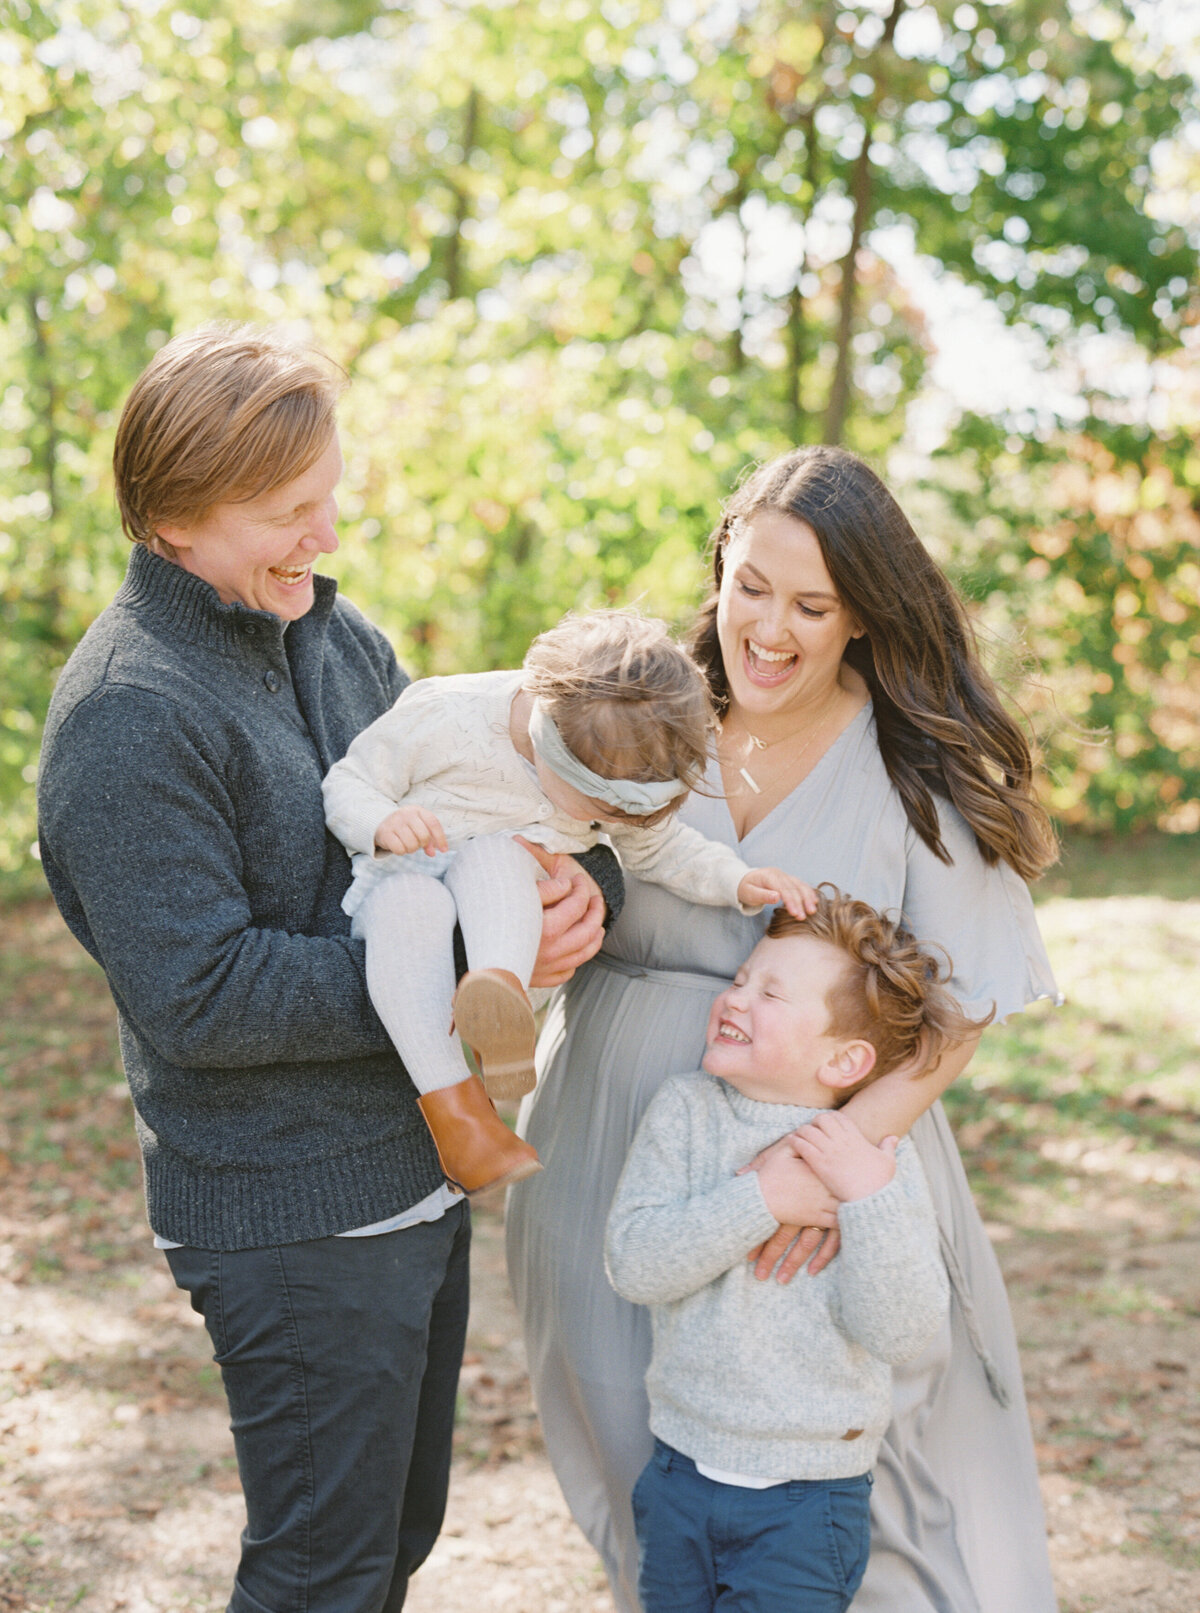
<point>493,1016</point>
<point>476,1149</point>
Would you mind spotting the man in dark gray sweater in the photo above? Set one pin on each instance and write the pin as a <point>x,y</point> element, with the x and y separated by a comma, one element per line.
<point>289,1174</point>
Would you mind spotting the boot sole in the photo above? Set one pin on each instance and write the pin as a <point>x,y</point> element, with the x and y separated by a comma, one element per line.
<point>497,1022</point>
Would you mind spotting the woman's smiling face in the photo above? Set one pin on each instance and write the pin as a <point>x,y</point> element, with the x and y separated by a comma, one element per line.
<point>780,624</point>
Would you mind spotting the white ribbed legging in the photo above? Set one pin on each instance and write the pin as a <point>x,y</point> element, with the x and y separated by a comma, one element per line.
<point>488,886</point>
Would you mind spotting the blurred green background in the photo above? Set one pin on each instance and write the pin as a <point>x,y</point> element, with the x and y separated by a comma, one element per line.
<point>585,262</point>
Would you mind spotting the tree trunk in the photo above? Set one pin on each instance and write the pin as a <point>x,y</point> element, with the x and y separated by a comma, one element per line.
<point>797,346</point>
<point>45,450</point>
<point>839,387</point>
<point>795,365</point>
<point>737,353</point>
<point>462,202</point>
<point>861,188</point>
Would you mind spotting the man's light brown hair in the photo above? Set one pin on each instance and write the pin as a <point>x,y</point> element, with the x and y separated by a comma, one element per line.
<point>628,700</point>
<point>892,991</point>
<point>219,416</point>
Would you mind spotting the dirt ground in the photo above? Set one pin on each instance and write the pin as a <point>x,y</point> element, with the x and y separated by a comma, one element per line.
<point>118,1489</point>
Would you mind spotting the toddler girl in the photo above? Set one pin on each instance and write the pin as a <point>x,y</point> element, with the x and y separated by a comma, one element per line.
<point>604,730</point>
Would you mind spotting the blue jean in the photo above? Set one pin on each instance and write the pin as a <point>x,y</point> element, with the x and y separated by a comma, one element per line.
<point>340,1361</point>
<point>800,1546</point>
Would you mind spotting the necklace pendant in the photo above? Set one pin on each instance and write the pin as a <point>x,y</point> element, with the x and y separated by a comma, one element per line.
<point>742,771</point>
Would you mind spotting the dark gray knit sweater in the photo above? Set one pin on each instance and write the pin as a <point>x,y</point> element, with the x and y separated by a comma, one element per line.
<point>183,837</point>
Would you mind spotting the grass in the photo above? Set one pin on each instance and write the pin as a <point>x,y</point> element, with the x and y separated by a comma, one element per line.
<point>1106,1086</point>
<point>1139,865</point>
<point>67,1152</point>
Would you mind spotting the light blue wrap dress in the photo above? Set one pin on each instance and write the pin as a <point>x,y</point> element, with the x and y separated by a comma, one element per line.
<point>957,1523</point>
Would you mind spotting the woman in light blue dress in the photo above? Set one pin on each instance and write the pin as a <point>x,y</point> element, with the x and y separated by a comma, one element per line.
<point>860,743</point>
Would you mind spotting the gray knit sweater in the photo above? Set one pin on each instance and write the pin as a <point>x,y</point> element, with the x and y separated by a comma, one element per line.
<point>183,836</point>
<point>768,1380</point>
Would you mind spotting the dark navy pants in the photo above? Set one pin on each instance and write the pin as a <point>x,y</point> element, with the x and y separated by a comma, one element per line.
<point>340,1360</point>
<point>799,1546</point>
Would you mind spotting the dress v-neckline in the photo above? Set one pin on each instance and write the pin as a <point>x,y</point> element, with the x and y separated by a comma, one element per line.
<point>739,841</point>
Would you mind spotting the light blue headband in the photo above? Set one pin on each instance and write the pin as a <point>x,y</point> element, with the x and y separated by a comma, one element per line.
<point>629,795</point>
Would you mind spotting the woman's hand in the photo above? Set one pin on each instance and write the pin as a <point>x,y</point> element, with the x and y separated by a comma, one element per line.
<point>572,916</point>
<point>808,1231</point>
<point>791,1248</point>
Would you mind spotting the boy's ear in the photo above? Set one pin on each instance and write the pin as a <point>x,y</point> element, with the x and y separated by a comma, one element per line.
<point>852,1063</point>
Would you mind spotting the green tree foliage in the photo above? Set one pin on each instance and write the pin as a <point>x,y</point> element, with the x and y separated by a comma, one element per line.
<point>1097,557</point>
<point>582,262</point>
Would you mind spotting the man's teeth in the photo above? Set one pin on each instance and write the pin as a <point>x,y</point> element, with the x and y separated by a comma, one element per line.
<point>777,656</point>
<point>289,573</point>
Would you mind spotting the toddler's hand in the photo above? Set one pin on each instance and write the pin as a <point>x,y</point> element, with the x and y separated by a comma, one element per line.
<point>410,828</point>
<point>762,885</point>
<point>843,1159</point>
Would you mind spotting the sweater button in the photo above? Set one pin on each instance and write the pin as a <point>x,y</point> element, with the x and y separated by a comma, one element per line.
<point>272,681</point>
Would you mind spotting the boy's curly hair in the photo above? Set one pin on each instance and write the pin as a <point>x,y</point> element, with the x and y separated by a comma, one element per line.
<point>628,700</point>
<point>892,992</point>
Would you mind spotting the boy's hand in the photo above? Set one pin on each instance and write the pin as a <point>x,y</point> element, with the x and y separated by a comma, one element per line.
<point>843,1159</point>
<point>792,1245</point>
<point>762,885</point>
<point>410,828</point>
<point>793,1193</point>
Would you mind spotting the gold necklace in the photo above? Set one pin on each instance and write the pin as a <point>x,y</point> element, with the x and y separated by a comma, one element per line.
<point>793,759</point>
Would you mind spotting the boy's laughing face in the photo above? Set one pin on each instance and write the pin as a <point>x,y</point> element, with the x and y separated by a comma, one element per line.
<point>768,1034</point>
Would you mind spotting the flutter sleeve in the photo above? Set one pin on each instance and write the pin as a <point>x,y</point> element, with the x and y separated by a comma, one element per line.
<point>982,916</point>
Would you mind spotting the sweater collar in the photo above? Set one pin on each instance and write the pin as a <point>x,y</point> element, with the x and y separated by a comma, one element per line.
<point>167,595</point>
<point>789,1115</point>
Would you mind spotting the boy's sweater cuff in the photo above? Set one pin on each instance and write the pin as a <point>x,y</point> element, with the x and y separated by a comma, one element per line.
<point>760,1224</point>
<point>748,1210</point>
<point>884,1213</point>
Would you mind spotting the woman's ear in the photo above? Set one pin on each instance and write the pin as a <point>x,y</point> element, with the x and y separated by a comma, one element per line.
<point>852,1063</point>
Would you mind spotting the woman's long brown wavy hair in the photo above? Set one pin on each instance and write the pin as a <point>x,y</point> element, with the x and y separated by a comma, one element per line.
<point>941,725</point>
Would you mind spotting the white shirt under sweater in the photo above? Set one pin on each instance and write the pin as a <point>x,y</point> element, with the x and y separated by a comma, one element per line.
<point>445,745</point>
<point>762,1379</point>
<point>431,1208</point>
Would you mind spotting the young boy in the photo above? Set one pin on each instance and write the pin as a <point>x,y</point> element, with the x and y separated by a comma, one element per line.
<point>768,1401</point>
